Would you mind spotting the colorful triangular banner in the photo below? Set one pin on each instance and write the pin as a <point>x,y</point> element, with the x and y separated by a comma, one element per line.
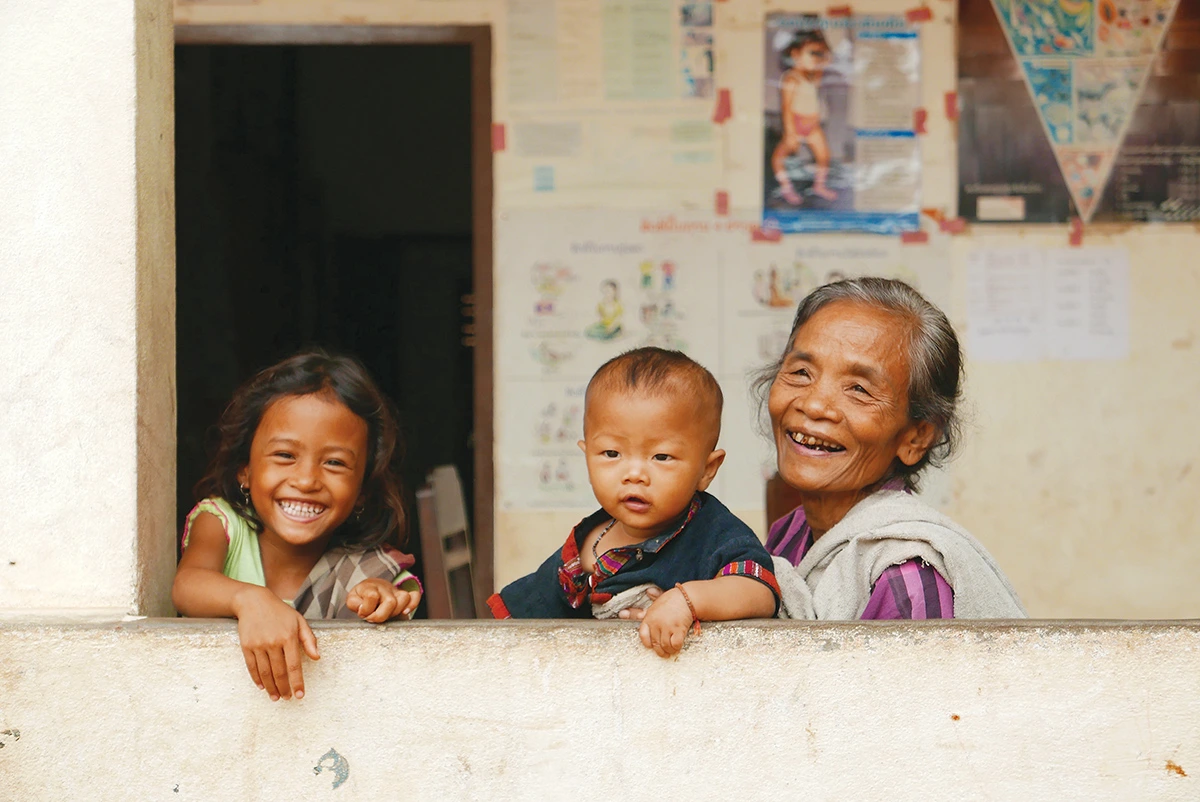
<point>1085,64</point>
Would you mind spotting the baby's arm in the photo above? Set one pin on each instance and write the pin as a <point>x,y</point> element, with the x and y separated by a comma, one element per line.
<point>271,632</point>
<point>724,598</point>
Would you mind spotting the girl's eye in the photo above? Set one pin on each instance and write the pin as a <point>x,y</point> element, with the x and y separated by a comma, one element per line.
<point>283,455</point>
<point>611,454</point>
<point>337,463</point>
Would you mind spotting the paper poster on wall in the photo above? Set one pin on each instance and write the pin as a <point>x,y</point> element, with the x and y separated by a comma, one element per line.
<point>838,120</point>
<point>1091,111</point>
<point>1030,304</point>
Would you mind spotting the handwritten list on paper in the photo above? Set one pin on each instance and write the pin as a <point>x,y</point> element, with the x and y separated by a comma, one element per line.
<point>1027,304</point>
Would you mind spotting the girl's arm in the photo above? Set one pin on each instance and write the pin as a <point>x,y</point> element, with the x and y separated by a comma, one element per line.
<point>724,598</point>
<point>271,632</point>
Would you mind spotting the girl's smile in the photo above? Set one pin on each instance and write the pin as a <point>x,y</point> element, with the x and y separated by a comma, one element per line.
<point>307,461</point>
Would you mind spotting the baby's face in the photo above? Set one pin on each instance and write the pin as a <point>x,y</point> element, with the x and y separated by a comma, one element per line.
<point>647,455</point>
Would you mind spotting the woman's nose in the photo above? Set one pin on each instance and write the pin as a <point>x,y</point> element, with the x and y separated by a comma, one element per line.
<point>817,401</point>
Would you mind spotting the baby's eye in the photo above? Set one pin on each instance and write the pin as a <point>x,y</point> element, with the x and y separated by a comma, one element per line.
<point>610,454</point>
<point>661,457</point>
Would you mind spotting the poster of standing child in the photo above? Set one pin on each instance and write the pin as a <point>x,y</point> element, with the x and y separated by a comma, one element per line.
<point>828,166</point>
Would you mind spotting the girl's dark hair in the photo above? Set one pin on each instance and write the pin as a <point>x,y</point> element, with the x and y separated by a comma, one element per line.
<point>935,362</point>
<point>383,519</point>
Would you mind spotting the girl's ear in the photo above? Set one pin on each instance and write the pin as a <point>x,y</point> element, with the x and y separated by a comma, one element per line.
<point>243,475</point>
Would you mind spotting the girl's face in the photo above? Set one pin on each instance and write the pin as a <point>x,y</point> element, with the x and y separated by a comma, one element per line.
<point>305,474</point>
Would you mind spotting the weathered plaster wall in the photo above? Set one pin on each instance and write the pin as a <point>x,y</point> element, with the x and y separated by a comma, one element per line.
<point>164,710</point>
<point>87,282</point>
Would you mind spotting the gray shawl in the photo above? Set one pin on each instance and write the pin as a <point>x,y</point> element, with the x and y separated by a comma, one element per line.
<point>835,578</point>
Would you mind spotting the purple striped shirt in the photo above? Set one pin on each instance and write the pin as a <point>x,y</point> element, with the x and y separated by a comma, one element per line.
<point>909,590</point>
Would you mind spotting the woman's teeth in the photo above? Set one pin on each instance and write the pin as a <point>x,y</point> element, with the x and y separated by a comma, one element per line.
<point>815,442</point>
<point>300,509</point>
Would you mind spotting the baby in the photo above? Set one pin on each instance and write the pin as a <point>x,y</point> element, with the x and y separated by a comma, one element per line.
<point>650,426</point>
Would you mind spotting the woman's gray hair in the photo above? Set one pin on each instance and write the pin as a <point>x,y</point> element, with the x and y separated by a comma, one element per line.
<point>935,372</point>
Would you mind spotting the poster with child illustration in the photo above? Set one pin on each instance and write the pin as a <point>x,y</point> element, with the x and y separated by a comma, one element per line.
<point>841,153</point>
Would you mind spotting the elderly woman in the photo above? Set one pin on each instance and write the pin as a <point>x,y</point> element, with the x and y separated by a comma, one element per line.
<point>861,402</point>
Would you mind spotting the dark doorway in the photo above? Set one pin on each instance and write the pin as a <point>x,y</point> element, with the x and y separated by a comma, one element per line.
<point>325,196</point>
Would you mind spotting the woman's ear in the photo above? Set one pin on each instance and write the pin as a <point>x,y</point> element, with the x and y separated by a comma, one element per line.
<point>915,442</point>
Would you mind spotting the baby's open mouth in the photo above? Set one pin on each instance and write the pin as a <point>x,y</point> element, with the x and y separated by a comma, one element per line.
<point>815,443</point>
<point>301,510</point>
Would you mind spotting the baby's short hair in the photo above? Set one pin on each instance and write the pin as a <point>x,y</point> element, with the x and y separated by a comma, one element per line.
<point>660,372</point>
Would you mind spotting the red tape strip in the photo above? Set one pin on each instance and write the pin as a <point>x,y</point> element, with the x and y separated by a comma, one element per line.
<point>952,106</point>
<point>724,109</point>
<point>498,137</point>
<point>919,14</point>
<point>722,203</point>
<point>1076,236</point>
<point>914,237</point>
<point>919,117</point>
<point>839,11</point>
<point>758,234</point>
<point>955,226</point>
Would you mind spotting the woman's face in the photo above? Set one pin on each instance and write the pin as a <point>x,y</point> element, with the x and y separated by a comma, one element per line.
<point>839,404</point>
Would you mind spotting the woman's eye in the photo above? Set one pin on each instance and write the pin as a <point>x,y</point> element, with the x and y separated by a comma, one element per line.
<point>858,388</point>
<point>611,454</point>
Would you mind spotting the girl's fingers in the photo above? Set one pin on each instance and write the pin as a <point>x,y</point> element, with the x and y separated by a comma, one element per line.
<point>387,607</point>
<point>644,634</point>
<point>252,667</point>
<point>264,673</point>
<point>280,671</point>
<point>295,676</point>
<point>308,640</point>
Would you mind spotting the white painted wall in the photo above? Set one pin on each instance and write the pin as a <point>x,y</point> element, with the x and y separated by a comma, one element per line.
<point>87,428</point>
<point>771,710</point>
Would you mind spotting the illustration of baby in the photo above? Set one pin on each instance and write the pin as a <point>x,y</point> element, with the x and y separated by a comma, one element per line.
<point>804,60</point>
<point>610,312</point>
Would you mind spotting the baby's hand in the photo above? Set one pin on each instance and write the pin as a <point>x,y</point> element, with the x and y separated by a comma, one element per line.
<point>377,600</point>
<point>272,634</point>
<point>665,624</point>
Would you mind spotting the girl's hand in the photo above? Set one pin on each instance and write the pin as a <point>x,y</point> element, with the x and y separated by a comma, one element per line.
<point>377,600</point>
<point>272,634</point>
<point>666,623</point>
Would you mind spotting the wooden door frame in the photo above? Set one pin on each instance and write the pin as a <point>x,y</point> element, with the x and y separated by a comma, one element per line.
<point>479,39</point>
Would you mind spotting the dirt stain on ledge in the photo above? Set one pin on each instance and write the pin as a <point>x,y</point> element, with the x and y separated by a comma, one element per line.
<point>1175,768</point>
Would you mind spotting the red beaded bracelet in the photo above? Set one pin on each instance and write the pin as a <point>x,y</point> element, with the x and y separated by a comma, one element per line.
<point>695,618</point>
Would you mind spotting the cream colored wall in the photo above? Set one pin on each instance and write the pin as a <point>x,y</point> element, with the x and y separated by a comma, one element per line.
<point>87,417</point>
<point>766,710</point>
<point>1078,476</point>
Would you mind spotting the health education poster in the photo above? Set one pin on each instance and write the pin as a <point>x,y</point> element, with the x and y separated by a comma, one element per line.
<point>841,150</point>
<point>1079,108</point>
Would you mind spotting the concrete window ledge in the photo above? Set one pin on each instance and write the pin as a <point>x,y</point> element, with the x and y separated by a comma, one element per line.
<point>163,709</point>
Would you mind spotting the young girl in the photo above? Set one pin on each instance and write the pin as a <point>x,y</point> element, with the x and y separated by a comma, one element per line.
<point>299,509</point>
<point>804,62</point>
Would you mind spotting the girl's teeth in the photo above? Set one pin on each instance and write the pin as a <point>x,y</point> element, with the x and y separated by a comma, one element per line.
<point>301,510</point>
